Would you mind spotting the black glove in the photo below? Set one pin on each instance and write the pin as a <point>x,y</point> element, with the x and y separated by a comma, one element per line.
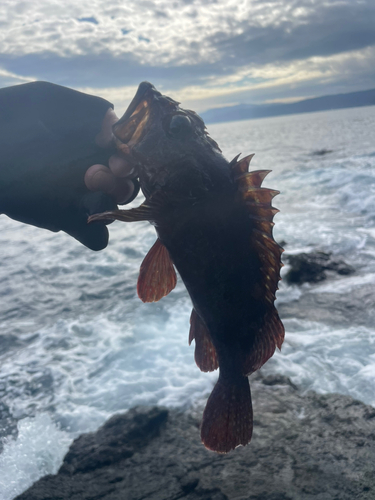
<point>47,143</point>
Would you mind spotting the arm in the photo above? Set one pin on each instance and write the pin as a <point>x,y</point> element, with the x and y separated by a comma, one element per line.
<point>49,137</point>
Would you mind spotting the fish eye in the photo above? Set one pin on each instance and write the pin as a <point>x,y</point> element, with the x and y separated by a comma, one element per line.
<point>180,126</point>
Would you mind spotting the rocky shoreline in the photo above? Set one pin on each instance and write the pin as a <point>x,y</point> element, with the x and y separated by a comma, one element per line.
<point>304,447</point>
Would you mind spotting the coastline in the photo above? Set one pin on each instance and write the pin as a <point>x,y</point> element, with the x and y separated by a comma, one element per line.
<point>304,446</point>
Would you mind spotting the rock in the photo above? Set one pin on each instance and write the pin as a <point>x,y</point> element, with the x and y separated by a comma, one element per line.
<point>312,267</point>
<point>305,447</point>
<point>356,308</point>
<point>116,441</point>
<point>277,379</point>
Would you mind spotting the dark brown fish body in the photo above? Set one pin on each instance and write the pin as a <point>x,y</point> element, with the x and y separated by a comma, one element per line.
<point>214,223</point>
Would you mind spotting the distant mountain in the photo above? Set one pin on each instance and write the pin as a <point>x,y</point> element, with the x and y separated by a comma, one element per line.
<point>249,111</point>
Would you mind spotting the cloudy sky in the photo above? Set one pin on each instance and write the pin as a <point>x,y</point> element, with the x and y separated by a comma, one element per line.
<point>205,53</point>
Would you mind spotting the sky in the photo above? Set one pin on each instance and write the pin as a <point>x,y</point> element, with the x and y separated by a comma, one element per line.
<point>203,53</point>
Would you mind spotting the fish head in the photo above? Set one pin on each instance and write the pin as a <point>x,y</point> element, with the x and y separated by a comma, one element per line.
<point>170,145</point>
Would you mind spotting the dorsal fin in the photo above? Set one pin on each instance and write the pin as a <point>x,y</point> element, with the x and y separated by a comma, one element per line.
<point>205,352</point>
<point>157,276</point>
<point>242,166</point>
<point>234,161</point>
<point>266,341</point>
<point>258,204</point>
<point>254,178</point>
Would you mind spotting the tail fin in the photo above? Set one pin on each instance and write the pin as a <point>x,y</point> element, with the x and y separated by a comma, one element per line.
<point>228,417</point>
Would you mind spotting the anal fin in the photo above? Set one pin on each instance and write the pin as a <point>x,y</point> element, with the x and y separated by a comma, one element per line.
<point>157,276</point>
<point>205,352</point>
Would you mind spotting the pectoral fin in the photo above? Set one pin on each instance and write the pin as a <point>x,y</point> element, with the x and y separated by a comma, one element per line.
<point>157,276</point>
<point>144,212</point>
<point>205,352</point>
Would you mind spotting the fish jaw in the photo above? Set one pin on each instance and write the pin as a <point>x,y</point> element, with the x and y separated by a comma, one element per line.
<point>165,141</point>
<point>145,109</point>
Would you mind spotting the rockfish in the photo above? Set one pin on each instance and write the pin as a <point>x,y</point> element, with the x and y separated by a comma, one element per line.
<point>214,225</point>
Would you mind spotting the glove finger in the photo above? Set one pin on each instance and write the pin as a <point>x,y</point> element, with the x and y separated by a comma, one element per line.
<point>122,167</point>
<point>94,236</point>
<point>136,188</point>
<point>100,178</point>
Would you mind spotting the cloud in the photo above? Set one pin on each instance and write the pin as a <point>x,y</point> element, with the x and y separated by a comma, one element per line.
<point>301,32</point>
<point>88,20</point>
<point>332,74</point>
<point>213,51</point>
<point>8,78</point>
<point>182,33</point>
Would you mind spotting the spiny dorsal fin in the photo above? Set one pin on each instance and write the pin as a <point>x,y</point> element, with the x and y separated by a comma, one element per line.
<point>157,276</point>
<point>234,161</point>
<point>254,178</point>
<point>258,204</point>
<point>205,352</point>
<point>242,166</point>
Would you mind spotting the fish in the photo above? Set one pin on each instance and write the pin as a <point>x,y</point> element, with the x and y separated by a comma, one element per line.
<point>214,223</point>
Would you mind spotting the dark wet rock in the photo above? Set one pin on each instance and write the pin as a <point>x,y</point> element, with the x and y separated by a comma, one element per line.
<point>305,447</point>
<point>116,441</point>
<point>312,267</point>
<point>344,309</point>
<point>277,379</point>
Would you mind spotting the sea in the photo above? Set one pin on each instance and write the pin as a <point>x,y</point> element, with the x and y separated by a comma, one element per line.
<point>77,345</point>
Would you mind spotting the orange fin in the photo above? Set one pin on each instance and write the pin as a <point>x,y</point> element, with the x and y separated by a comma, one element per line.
<point>157,276</point>
<point>205,353</point>
<point>266,341</point>
<point>142,213</point>
<point>242,166</point>
<point>228,417</point>
<point>254,178</point>
<point>258,204</point>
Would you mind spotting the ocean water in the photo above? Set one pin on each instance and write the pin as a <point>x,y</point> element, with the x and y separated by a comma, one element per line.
<point>77,345</point>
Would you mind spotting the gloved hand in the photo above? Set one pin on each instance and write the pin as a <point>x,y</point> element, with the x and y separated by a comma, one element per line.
<point>54,145</point>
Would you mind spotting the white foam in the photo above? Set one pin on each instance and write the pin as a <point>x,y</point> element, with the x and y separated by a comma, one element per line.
<point>103,365</point>
<point>37,451</point>
<point>325,359</point>
<point>344,285</point>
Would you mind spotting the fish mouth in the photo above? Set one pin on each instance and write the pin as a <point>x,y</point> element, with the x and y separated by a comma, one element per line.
<point>129,130</point>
